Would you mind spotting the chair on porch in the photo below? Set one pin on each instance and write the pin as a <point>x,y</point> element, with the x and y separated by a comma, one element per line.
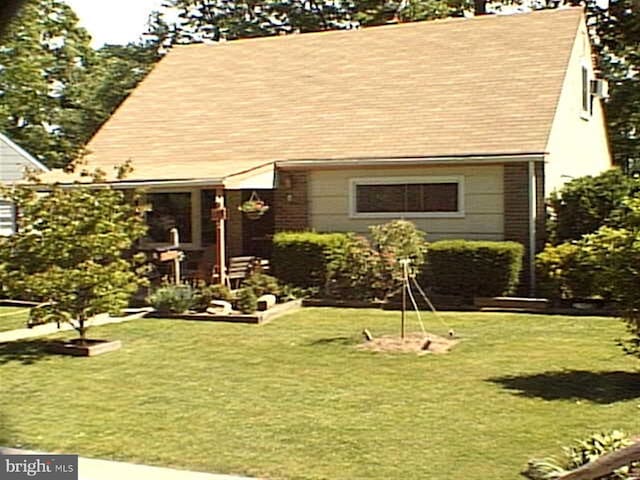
<point>240,268</point>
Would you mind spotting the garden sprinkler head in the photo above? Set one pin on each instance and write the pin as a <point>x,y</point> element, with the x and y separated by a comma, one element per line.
<point>452,333</point>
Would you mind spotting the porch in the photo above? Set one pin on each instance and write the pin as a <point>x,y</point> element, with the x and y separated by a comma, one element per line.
<point>211,228</point>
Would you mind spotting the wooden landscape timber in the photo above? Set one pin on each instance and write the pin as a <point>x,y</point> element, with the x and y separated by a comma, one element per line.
<point>605,464</point>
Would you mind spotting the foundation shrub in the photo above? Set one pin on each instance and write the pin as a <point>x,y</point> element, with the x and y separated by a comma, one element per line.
<point>246,300</point>
<point>204,294</point>
<point>172,298</point>
<point>300,258</point>
<point>262,284</point>
<point>472,268</point>
<point>355,271</point>
<point>566,270</point>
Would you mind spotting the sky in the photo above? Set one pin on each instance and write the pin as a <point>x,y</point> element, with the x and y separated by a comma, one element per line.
<point>113,21</point>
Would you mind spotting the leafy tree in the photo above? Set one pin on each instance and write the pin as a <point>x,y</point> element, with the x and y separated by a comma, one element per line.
<point>585,204</point>
<point>71,250</point>
<point>7,10</point>
<point>55,90</point>
<point>41,55</point>
<point>213,20</point>
<point>112,72</point>
<point>617,36</point>
<point>358,269</point>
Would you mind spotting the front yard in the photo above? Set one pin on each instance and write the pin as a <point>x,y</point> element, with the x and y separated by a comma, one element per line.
<point>294,400</point>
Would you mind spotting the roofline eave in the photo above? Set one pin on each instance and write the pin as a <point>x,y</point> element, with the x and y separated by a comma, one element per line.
<point>128,184</point>
<point>412,160</point>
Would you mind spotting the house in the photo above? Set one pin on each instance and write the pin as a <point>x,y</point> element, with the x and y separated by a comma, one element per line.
<point>460,125</point>
<point>14,161</point>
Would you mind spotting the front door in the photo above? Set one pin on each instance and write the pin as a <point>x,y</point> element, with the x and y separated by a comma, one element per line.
<point>258,234</point>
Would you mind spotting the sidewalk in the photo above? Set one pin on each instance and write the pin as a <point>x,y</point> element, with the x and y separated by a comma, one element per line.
<point>49,328</point>
<point>92,469</point>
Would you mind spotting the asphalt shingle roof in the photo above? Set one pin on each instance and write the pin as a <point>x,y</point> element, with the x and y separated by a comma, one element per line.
<point>487,85</point>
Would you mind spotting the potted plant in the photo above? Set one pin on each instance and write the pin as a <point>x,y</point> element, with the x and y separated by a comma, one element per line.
<point>254,208</point>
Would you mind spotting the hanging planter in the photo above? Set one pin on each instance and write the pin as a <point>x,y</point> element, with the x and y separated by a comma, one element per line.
<point>254,208</point>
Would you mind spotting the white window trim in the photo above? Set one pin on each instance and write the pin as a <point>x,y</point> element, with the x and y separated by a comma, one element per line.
<point>586,114</point>
<point>195,243</point>
<point>354,182</point>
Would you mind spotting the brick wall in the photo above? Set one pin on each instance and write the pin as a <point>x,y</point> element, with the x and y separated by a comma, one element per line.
<point>291,201</point>
<point>516,212</point>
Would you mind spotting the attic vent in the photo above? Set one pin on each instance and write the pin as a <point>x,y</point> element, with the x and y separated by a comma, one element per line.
<point>600,88</point>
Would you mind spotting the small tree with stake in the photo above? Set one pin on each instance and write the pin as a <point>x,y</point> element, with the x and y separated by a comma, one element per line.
<point>72,251</point>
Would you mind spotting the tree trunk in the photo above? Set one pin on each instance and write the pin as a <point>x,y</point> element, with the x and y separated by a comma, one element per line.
<point>605,464</point>
<point>82,329</point>
<point>480,7</point>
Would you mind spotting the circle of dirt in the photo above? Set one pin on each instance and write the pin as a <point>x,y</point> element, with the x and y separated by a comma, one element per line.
<point>419,343</point>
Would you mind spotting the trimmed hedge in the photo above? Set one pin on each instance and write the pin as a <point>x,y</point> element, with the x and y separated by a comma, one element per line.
<point>473,268</point>
<point>301,258</point>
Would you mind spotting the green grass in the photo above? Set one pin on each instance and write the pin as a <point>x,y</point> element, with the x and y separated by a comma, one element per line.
<point>294,400</point>
<point>12,318</point>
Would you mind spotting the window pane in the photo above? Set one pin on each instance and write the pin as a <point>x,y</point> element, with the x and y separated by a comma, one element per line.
<point>585,89</point>
<point>408,197</point>
<point>169,210</point>
<point>380,198</point>
<point>440,197</point>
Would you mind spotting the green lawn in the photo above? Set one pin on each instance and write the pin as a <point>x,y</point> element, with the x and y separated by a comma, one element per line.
<point>12,318</point>
<point>294,400</point>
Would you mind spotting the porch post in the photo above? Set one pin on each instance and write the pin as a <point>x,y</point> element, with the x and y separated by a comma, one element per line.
<point>220,235</point>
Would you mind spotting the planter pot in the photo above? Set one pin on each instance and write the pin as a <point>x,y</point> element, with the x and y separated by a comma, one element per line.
<point>89,348</point>
<point>254,215</point>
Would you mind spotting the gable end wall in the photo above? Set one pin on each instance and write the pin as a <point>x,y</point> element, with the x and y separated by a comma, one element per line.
<point>577,143</point>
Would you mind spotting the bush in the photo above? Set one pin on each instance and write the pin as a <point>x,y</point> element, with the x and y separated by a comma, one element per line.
<point>473,268</point>
<point>585,204</point>
<point>359,271</point>
<point>579,454</point>
<point>262,284</point>
<point>355,271</point>
<point>246,300</point>
<point>291,292</point>
<point>204,294</point>
<point>300,258</point>
<point>567,270</point>
<point>172,299</point>
<point>617,252</point>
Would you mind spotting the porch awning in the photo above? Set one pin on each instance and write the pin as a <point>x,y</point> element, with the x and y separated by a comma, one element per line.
<point>241,176</point>
<point>258,178</point>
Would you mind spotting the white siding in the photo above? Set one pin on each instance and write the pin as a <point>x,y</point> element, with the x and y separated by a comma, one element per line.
<point>12,163</point>
<point>577,142</point>
<point>483,201</point>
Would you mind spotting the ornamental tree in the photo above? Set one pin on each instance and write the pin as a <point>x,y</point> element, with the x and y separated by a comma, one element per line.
<point>73,250</point>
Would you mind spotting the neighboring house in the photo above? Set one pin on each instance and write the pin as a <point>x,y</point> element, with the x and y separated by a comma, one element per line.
<point>14,161</point>
<point>461,125</point>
